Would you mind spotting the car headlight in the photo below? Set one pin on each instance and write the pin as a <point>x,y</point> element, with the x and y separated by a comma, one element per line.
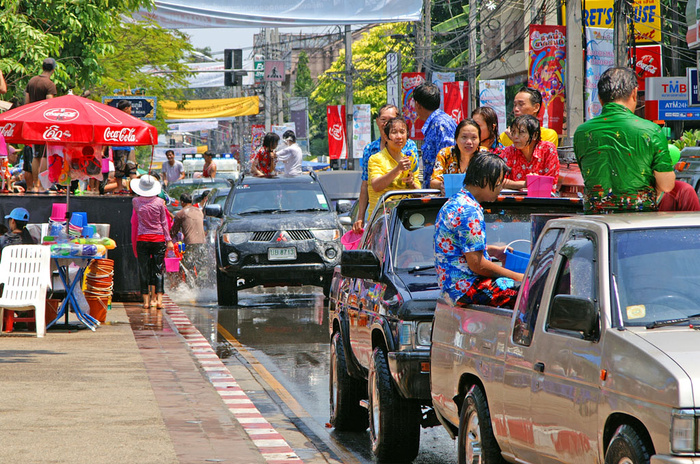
<point>326,234</point>
<point>683,431</point>
<point>423,331</point>
<point>235,238</point>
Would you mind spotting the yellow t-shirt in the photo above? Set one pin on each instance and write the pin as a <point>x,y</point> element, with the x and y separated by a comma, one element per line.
<point>550,135</point>
<point>380,164</point>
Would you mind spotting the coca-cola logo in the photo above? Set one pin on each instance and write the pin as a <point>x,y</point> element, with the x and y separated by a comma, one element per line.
<point>55,133</point>
<point>61,114</point>
<point>644,65</point>
<point>8,130</point>
<point>456,114</point>
<point>120,135</point>
<point>336,131</point>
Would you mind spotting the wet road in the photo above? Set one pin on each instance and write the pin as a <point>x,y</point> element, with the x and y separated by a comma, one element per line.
<point>281,336</point>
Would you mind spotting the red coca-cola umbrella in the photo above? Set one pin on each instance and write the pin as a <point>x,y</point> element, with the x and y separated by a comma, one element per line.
<point>76,121</point>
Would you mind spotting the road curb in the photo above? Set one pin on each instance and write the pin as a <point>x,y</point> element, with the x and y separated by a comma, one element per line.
<point>272,446</point>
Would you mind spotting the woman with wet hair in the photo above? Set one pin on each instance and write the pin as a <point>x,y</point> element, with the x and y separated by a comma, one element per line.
<point>264,159</point>
<point>529,154</point>
<point>455,159</point>
<point>487,119</point>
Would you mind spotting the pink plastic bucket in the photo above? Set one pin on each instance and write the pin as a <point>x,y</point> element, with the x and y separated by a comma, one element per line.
<point>172,264</point>
<point>58,212</point>
<point>351,239</point>
<point>539,186</point>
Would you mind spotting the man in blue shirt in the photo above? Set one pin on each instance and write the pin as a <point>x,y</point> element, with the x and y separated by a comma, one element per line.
<point>385,113</point>
<point>438,129</point>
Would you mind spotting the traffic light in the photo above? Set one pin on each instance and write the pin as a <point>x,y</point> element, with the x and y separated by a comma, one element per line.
<point>233,59</point>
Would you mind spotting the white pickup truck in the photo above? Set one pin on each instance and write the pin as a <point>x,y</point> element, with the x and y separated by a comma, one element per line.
<point>599,362</point>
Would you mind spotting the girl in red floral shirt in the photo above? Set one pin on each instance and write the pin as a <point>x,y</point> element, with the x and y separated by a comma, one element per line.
<point>263,161</point>
<point>529,154</point>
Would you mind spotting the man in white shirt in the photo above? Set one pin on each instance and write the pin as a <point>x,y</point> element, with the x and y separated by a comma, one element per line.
<point>172,170</point>
<point>290,155</point>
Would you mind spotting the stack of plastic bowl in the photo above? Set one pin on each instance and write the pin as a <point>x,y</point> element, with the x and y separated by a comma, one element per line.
<point>99,283</point>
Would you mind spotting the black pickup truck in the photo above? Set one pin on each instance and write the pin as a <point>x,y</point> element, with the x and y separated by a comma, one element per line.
<point>382,301</point>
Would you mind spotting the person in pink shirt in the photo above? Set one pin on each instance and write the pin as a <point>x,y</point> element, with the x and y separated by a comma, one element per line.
<point>529,154</point>
<point>150,233</point>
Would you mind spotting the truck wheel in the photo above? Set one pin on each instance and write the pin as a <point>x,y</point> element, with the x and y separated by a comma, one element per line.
<point>394,422</point>
<point>476,442</point>
<point>627,447</point>
<point>226,289</point>
<point>345,392</point>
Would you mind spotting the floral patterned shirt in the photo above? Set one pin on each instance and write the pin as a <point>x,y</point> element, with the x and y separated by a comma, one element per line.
<point>459,229</point>
<point>264,157</point>
<point>438,133</point>
<point>544,162</point>
<point>410,149</point>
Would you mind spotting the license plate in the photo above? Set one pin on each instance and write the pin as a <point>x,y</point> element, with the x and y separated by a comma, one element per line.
<point>281,254</point>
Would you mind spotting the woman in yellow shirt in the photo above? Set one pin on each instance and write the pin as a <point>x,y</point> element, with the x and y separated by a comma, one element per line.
<point>390,169</point>
<point>455,159</point>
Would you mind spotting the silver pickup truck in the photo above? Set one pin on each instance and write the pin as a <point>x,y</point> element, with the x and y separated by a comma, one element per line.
<point>599,362</point>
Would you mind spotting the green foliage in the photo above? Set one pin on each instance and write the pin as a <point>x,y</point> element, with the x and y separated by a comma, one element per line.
<point>303,85</point>
<point>369,59</point>
<point>688,139</point>
<point>75,32</point>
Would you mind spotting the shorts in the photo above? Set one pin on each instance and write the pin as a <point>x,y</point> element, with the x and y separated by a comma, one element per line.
<point>27,156</point>
<point>501,292</point>
<point>39,151</point>
<point>123,167</point>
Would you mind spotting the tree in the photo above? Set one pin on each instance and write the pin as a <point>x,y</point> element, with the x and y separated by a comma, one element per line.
<point>75,33</point>
<point>369,59</point>
<point>303,85</point>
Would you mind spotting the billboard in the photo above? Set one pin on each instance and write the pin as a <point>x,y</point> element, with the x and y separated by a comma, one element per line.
<point>645,14</point>
<point>667,99</point>
<point>546,72</point>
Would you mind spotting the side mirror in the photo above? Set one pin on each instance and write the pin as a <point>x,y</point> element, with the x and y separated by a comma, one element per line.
<point>343,206</point>
<point>213,210</point>
<point>574,314</point>
<point>345,221</point>
<point>360,264</point>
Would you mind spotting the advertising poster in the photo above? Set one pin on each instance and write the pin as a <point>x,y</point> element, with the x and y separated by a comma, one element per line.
<point>257,133</point>
<point>646,15</point>
<point>409,81</point>
<point>647,63</point>
<point>361,129</point>
<point>493,93</point>
<point>456,99</point>
<point>336,132</point>
<point>546,72</point>
<point>439,78</point>
<point>600,55</point>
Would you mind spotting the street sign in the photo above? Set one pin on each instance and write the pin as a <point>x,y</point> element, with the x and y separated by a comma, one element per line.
<point>274,71</point>
<point>143,108</point>
<point>259,66</point>
<point>393,70</point>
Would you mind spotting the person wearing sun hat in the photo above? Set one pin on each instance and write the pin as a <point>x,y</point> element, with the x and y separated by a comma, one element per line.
<point>151,235</point>
<point>17,233</point>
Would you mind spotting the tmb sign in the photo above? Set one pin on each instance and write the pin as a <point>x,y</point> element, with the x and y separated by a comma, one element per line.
<point>667,99</point>
<point>143,108</point>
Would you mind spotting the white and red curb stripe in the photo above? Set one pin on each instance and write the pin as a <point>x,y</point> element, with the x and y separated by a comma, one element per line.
<point>273,447</point>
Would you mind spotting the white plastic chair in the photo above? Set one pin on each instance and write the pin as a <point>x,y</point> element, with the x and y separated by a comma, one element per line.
<point>26,272</point>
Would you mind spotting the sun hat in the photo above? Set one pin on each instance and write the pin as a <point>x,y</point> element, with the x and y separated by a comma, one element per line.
<point>146,186</point>
<point>18,214</point>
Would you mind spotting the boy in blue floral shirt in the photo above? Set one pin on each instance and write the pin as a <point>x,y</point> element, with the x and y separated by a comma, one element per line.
<point>462,258</point>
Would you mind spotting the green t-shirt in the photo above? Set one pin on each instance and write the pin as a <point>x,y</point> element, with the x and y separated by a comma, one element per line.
<point>618,153</point>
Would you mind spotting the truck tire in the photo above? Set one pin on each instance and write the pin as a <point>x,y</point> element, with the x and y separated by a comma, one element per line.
<point>345,392</point>
<point>476,442</point>
<point>226,289</point>
<point>394,422</point>
<point>627,447</point>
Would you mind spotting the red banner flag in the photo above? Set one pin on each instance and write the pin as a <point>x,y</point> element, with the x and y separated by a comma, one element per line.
<point>546,72</point>
<point>409,81</point>
<point>647,63</point>
<point>456,99</point>
<point>336,132</point>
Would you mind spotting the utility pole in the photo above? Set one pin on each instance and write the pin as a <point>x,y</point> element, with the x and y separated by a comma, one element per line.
<point>278,85</point>
<point>574,69</point>
<point>472,70</point>
<point>349,71</point>
<point>268,99</point>
<point>620,8</point>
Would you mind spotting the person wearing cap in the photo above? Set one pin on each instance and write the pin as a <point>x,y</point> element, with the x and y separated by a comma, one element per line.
<point>17,233</point>
<point>151,235</point>
<point>39,88</point>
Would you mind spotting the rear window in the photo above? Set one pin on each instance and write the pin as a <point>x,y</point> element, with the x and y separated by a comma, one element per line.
<point>277,197</point>
<point>413,241</point>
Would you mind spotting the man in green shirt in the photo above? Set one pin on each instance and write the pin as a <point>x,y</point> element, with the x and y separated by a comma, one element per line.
<point>624,159</point>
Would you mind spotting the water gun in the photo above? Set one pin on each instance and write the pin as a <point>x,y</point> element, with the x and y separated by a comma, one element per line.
<point>4,172</point>
<point>106,242</point>
<point>76,249</point>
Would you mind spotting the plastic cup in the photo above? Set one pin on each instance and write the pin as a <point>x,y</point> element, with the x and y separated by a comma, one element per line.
<point>453,183</point>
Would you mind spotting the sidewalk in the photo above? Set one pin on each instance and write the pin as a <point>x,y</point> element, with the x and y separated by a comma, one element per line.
<point>130,392</point>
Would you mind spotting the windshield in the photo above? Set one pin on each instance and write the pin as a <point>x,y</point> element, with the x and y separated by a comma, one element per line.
<point>657,274</point>
<point>176,189</point>
<point>277,197</point>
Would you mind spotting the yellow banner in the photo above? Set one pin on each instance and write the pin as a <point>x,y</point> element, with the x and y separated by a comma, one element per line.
<point>646,16</point>
<point>207,109</point>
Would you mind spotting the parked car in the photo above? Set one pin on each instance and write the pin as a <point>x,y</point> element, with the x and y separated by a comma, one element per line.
<point>275,231</point>
<point>598,360</point>
<point>382,301</point>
